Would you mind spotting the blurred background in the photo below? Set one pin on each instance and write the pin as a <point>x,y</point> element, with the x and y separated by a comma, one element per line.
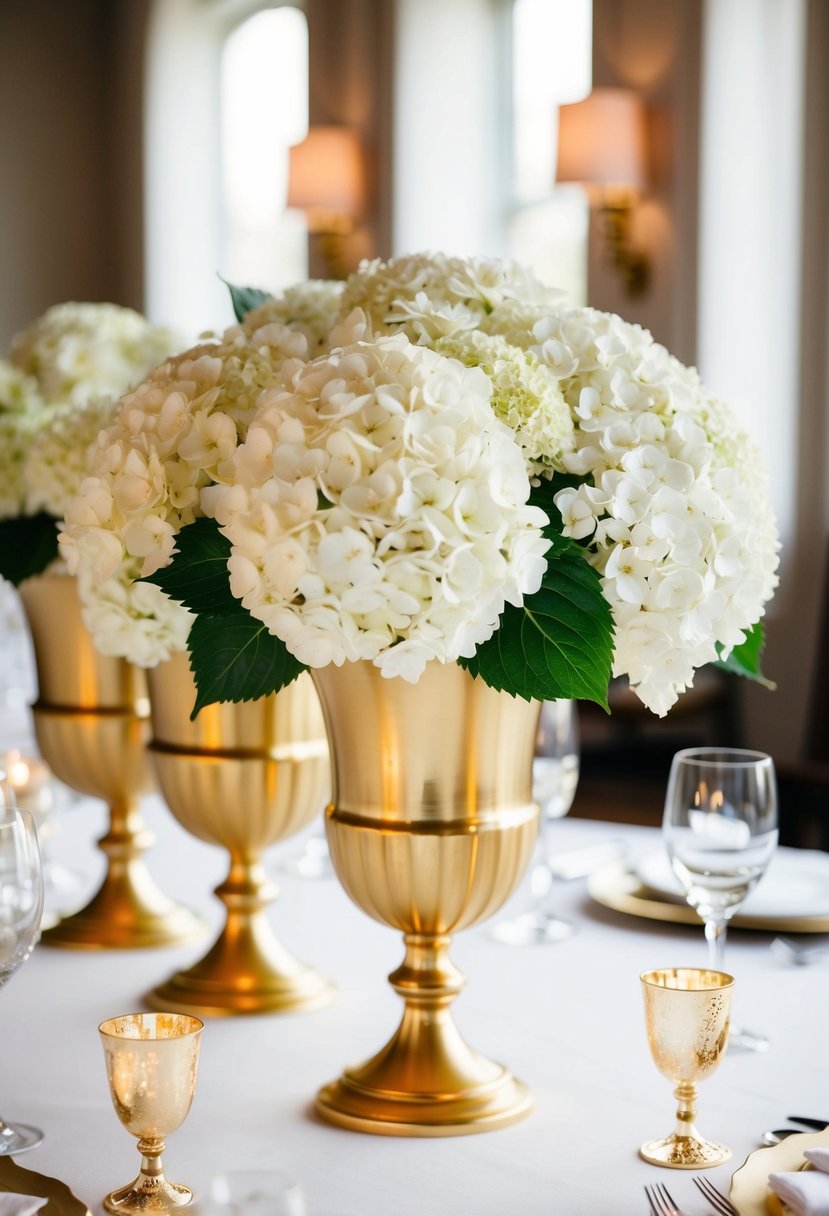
<point>663,159</point>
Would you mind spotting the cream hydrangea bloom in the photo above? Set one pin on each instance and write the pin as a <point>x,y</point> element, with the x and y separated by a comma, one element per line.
<point>675,504</point>
<point>170,438</point>
<point>58,456</point>
<point>79,351</point>
<point>310,309</point>
<point>427,535</point>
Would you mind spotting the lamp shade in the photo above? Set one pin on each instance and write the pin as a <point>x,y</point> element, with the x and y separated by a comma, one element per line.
<point>326,177</point>
<point>601,140</point>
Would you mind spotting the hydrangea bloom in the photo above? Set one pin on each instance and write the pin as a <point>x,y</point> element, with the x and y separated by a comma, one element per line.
<point>79,351</point>
<point>424,534</point>
<point>666,494</point>
<point>172,436</point>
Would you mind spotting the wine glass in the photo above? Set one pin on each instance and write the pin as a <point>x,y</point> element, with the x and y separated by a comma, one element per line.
<point>687,1012</point>
<point>720,830</point>
<point>151,1061</point>
<point>555,777</point>
<point>21,908</point>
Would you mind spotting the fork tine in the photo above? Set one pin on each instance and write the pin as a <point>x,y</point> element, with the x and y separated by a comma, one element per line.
<point>655,1201</point>
<point>715,1197</point>
<point>671,1207</point>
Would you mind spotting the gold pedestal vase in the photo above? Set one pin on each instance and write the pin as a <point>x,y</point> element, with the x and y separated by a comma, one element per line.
<point>92,723</point>
<point>242,776</point>
<point>431,826</point>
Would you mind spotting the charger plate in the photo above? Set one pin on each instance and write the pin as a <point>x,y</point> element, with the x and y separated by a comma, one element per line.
<point>619,887</point>
<point>14,1180</point>
<point>749,1186</point>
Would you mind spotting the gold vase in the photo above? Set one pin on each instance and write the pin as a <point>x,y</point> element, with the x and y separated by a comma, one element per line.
<point>92,722</point>
<point>430,829</point>
<point>242,776</point>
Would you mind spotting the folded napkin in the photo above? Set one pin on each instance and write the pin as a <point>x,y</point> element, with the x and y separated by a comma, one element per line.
<point>20,1205</point>
<point>805,1193</point>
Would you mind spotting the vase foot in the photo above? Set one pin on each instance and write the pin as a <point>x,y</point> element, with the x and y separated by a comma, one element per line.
<point>499,1103</point>
<point>117,920</point>
<point>226,996</point>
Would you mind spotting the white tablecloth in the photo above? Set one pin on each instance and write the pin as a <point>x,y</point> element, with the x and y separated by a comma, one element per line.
<point>566,1018</point>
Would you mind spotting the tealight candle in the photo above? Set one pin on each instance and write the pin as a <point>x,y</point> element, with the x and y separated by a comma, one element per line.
<point>30,780</point>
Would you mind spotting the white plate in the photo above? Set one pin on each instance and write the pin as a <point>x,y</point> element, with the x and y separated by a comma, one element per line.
<point>795,884</point>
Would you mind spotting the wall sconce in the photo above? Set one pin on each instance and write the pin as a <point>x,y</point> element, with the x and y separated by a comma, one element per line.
<point>326,180</point>
<point>601,145</point>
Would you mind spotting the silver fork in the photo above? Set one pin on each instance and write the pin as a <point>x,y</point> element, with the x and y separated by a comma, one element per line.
<point>716,1198</point>
<point>662,1204</point>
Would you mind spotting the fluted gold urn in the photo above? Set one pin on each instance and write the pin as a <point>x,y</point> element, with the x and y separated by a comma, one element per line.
<point>242,776</point>
<point>92,723</point>
<point>430,828</point>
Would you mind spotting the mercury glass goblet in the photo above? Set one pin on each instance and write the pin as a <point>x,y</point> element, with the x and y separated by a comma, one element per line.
<point>555,777</point>
<point>720,830</point>
<point>151,1061</point>
<point>687,1013</point>
<point>21,908</point>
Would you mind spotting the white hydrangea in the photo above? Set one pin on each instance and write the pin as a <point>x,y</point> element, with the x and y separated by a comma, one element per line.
<point>423,535</point>
<point>675,505</point>
<point>22,414</point>
<point>57,460</point>
<point>524,395</point>
<point>310,309</point>
<point>170,437</point>
<point>78,351</point>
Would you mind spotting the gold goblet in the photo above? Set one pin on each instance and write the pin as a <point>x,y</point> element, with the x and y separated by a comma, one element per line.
<point>430,827</point>
<point>241,776</point>
<point>151,1061</point>
<point>92,724</point>
<point>687,1012</point>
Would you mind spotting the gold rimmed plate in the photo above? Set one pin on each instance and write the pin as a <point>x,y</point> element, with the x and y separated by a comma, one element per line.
<point>749,1186</point>
<point>618,887</point>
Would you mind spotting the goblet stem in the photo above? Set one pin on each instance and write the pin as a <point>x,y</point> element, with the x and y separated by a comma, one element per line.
<point>715,931</point>
<point>150,1192</point>
<point>686,1111</point>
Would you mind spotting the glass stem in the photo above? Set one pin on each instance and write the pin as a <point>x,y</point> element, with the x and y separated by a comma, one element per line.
<point>715,936</point>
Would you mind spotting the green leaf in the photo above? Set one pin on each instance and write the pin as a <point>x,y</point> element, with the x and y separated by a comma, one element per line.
<point>197,576</point>
<point>236,659</point>
<point>560,642</point>
<point>744,659</point>
<point>245,299</point>
<point>28,544</point>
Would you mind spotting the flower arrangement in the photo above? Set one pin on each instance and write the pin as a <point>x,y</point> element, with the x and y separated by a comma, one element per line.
<point>440,461</point>
<point>58,388</point>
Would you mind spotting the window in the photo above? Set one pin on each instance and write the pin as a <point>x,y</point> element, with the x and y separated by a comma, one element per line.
<point>550,65</point>
<point>224,100</point>
<point>264,109</point>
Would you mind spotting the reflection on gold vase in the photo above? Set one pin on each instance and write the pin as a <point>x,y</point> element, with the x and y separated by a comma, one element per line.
<point>430,828</point>
<point>242,776</point>
<point>92,723</point>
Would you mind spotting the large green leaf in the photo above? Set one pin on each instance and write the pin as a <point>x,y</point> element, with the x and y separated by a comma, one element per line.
<point>28,544</point>
<point>245,299</point>
<point>559,644</point>
<point>234,658</point>
<point>744,659</point>
<point>197,576</point>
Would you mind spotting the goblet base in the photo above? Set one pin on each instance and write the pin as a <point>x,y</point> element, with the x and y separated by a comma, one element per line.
<point>126,914</point>
<point>244,980</point>
<point>18,1138</point>
<point>497,1103</point>
<point>148,1195</point>
<point>532,929</point>
<point>684,1152</point>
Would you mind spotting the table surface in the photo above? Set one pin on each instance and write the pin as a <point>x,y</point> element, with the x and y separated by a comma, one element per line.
<point>566,1018</point>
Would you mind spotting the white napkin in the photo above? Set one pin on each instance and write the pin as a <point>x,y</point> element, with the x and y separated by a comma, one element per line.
<point>19,1205</point>
<point>806,1193</point>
